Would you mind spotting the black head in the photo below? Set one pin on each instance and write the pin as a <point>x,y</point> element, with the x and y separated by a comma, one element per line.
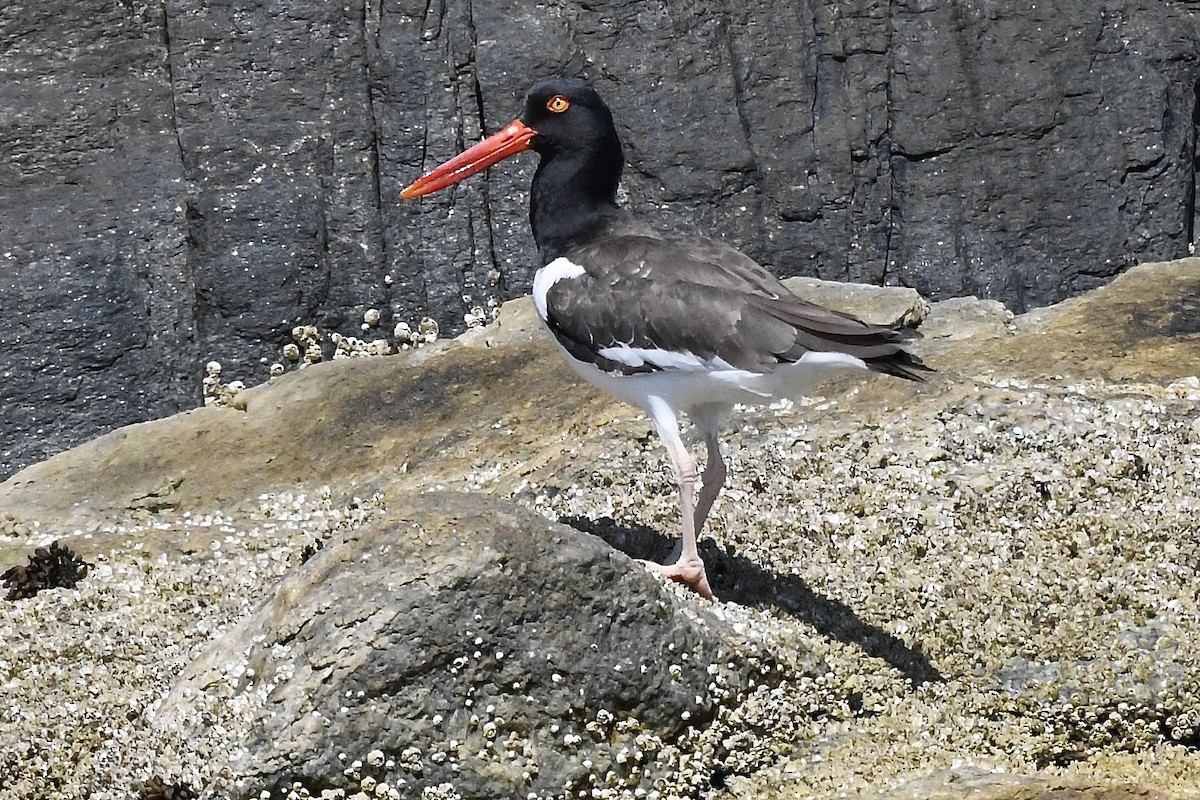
<point>575,187</point>
<point>569,117</point>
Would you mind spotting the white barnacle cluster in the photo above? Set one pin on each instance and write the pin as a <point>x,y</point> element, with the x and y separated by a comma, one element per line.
<point>619,758</point>
<point>410,759</point>
<point>369,773</point>
<point>219,393</point>
<point>476,316</point>
<point>609,755</point>
<point>406,337</point>
<point>212,381</point>
<point>484,473</point>
<point>374,776</point>
<point>353,347</point>
<point>306,345</point>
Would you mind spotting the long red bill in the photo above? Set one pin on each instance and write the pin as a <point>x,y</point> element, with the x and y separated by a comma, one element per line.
<point>512,139</point>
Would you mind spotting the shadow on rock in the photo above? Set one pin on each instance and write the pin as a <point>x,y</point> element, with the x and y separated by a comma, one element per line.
<point>737,579</point>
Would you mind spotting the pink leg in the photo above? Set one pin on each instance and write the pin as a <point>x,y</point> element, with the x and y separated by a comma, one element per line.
<point>689,569</point>
<point>713,479</point>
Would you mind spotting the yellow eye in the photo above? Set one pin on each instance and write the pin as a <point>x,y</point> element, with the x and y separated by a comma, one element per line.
<point>558,104</point>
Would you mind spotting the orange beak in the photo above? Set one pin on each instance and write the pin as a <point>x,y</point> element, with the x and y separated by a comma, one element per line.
<point>514,138</point>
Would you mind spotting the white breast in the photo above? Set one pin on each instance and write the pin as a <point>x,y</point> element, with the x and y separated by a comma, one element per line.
<point>557,270</point>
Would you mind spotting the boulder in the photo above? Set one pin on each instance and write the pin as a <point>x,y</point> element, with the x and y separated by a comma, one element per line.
<point>461,641</point>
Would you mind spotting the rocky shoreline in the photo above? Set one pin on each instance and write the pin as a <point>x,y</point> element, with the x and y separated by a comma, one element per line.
<point>985,587</point>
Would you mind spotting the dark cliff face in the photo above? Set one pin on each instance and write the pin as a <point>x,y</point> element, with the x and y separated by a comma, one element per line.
<point>187,181</point>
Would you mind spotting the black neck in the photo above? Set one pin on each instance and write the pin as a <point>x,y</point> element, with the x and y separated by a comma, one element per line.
<point>572,197</point>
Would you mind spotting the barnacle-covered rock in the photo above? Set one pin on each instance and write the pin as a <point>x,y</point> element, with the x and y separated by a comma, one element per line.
<point>986,584</point>
<point>531,645</point>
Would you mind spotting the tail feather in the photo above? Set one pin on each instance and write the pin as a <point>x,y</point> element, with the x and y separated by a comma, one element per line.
<point>901,364</point>
<point>821,330</point>
<point>880,348</point>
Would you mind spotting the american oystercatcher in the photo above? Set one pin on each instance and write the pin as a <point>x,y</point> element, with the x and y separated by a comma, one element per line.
<point>667,323</point>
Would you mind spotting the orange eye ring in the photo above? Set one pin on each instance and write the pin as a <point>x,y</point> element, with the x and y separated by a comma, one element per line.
<point>558,104</point>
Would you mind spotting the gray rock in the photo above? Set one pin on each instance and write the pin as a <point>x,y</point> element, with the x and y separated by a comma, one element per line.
<point>461,640</point>
<point>881,305</point>
<point>188,181</point>
<point>982,784</point>
<point>962,318</point>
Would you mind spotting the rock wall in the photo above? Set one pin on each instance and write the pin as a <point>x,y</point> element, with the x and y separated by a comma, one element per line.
<point>189,180</point>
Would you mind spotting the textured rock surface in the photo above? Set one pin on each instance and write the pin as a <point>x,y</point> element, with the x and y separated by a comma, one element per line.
<point>470,643</point>
<point>189,180</point>
<point>986,586</point>
<point>387,420</point>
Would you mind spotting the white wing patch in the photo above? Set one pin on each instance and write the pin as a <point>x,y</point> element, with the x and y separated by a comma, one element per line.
<point>559,269</point>
<point>833,359</point>
<point>662,359</point>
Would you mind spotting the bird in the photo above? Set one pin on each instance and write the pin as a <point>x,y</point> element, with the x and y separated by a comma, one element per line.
<point>670,323</point>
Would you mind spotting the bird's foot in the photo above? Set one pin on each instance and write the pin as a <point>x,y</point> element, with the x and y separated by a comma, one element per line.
<point>689,572</point>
